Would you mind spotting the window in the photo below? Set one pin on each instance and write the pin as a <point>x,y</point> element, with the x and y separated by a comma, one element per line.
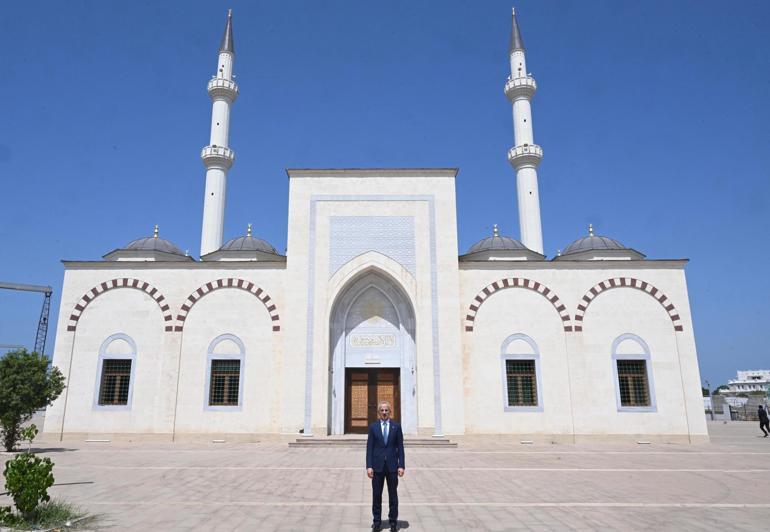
<point>224,374</point>
<point>632,368</point>
<point>115,373</point>
<point>632,380</point>
<point>521,374</point>
<point>224,385</point>
<point>116,378</point>
<point>522,382</point>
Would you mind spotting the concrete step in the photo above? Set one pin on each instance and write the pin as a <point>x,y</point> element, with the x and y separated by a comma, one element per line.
<point>360,441</point>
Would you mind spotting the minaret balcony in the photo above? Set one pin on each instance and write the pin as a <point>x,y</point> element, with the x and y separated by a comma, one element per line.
<point>526,155</point>
<point>221,88</point>
<point>520,87</point>
<point>220,156</point>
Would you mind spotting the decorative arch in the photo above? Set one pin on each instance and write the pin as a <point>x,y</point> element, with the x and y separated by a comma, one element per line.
<point>627,282</point>
<point>343,354</point>
<point>516,282</point>
<point>230,282</point>
<point>124,282</point>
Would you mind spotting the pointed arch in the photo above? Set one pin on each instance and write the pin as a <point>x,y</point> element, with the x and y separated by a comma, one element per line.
<point>627,282</point>
<point>112,284</point>
<point>516,282</point>
<point>229,282</point>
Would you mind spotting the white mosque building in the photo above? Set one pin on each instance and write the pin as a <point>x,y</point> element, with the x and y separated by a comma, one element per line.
<point>372,302</point>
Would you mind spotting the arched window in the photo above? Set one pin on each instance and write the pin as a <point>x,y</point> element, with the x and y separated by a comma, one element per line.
<point>224,374</point>
<point>522,387</point>
<point>632,368</point>
<point>115,373</point>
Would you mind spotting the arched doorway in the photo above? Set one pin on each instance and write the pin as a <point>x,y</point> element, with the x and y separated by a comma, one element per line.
<point>372,355</point>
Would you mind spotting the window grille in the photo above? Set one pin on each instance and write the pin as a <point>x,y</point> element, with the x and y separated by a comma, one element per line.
<point>632,381</point>
<point>116,377</point>
<point>225,377</point>
<point>522,382</point>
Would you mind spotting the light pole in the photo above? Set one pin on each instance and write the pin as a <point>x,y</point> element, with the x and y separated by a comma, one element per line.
<point>711,401</point>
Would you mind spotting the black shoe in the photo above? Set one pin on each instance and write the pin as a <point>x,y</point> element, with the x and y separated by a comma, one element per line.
<point>393,528</point>
<point>376,527</point>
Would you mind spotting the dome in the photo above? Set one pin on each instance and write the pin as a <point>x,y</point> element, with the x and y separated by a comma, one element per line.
<point>592,242</point>
<point>154,243</point>
<point>599,245</point>
<point>248,243</point>
<point>496,242</point>
<point>152,248</point>
<point>497,247</point>
<point>247,247</point>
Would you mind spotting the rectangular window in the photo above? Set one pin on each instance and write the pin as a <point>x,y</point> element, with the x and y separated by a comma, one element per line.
<point>225,377</point>
<point>632,381</point>
<point>116,377</point>
<point>522,382</point>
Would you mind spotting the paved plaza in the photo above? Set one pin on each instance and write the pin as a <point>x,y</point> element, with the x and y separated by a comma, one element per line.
<point>484,484</point>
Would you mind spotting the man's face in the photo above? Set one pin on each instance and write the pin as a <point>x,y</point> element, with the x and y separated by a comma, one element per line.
<point>384,411</point>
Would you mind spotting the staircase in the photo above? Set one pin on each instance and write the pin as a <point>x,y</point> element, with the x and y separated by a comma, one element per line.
<point>359,441</point>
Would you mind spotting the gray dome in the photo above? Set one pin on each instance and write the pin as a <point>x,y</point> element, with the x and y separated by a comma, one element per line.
<point>248,243</point>
<point>595,243</point>
<point>496,243</point>
<point>591,242</point>
<point>154,243</point>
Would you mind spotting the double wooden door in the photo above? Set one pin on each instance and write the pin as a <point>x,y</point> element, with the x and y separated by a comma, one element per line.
<point>364,389</point>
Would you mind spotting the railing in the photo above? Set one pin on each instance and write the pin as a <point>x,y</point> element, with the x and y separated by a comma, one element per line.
<point>222,83</point>
<point>218,151</point>
<point>524,84</point>
<point>531,150</point>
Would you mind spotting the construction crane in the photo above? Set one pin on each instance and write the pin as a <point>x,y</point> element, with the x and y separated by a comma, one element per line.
<point>42,324</point>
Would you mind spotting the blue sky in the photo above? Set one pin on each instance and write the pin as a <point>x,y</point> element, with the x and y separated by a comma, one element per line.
<point>652,115</point>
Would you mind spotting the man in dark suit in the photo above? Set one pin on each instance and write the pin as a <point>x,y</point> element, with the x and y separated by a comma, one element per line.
<point>385,462</point>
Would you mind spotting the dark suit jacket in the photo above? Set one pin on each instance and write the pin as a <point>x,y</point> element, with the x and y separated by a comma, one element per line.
<point>384,455</point>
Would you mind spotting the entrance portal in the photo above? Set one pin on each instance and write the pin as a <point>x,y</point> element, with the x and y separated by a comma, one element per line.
<point>364,390</point>
<point>372,355</point>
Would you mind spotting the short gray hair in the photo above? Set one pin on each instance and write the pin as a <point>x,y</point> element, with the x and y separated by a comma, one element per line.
<point>390,406</point>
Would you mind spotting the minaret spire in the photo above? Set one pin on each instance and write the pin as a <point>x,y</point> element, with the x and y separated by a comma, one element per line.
<point>227,44</point>
<point>217,156</point>
<point>517,43</point>
<point>525,156</point>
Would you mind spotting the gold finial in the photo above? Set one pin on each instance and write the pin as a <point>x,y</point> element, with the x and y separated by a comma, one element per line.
<point>248,230</point>
<point>155,231</point>
<point>229,13</point>
<point>590,229</point>
<point>494,231</point>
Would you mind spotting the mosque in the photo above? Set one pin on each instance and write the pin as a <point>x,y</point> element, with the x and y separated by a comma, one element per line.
<point>370,302</point>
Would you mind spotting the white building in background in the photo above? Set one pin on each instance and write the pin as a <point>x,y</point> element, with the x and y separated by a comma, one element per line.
<point>373,302</point>
<point>750,381</point>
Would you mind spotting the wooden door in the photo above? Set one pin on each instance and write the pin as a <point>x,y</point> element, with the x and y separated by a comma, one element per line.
<point>364,389</point>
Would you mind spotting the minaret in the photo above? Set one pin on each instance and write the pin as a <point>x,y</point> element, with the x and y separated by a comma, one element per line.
<point>525,156</point>
<point>217,156</point>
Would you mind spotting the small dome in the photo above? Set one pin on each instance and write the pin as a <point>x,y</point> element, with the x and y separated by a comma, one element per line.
<point>496,242</point>
<point>248,243</point>
<point>594,242</point>
<point>149,248</point>
<point>154,243</point>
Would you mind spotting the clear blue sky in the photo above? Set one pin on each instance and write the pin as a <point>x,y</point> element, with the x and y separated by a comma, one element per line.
<point>653,117</point>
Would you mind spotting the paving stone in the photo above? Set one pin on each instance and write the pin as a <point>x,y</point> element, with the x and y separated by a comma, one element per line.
<point>484,484</point>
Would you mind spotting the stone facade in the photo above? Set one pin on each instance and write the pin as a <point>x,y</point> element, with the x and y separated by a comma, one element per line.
<point>372,279</point>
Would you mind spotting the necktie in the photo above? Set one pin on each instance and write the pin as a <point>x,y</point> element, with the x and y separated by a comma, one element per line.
<point>385,431</point>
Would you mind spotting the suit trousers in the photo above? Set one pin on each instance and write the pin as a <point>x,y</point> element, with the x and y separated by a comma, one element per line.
<point>377,484</point>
